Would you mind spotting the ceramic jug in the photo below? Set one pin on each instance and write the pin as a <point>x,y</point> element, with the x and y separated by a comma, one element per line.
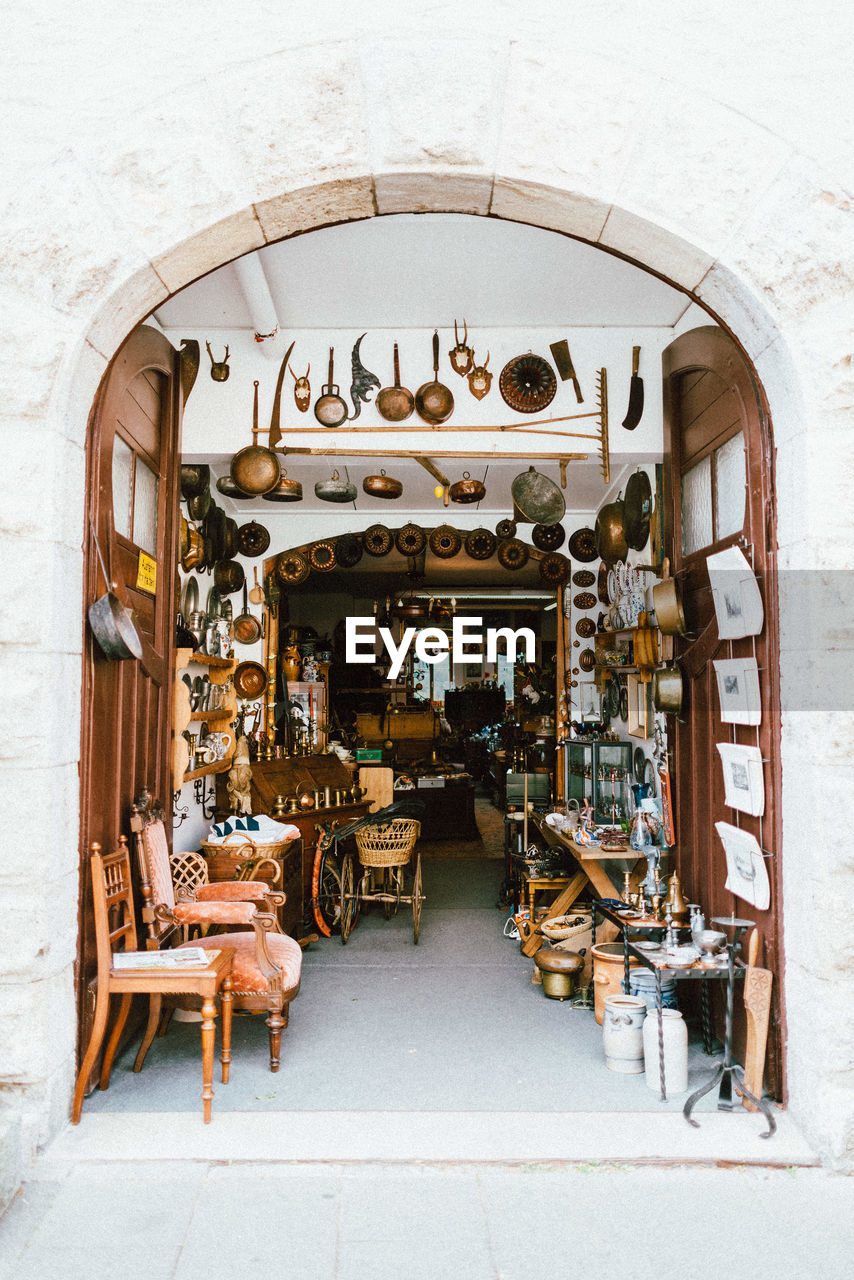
<point>622,1034</point>
<point>675,1035</point>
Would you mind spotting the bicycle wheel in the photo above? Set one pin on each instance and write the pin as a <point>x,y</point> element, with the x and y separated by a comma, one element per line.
<point>417,899</point>
<point>347,898</point>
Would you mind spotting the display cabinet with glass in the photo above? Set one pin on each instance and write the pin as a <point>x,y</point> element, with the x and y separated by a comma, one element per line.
<point>601,773</point>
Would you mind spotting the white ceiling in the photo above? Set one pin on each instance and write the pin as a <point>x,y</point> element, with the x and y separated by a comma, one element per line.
<point>421,270</point>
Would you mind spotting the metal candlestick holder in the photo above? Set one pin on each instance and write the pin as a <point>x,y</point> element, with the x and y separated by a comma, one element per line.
<point>728,1068</point>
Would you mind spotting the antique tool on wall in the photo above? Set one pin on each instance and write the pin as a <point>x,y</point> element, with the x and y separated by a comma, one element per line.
<point>461,356</point>
<point>635,409</point>
<point>396,403</point>
<point>564,365</point>
<point>479,380</point>
<point>275,432</point>
<point>527,383</point>
<point>330,409</point>
<point>302,390</point>
<point>255,469</point>
<point>219,368</point>
<point>362,382</point>
<point>434,402</point>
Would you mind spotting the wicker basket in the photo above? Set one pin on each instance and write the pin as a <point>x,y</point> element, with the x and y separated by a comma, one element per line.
<point>240,861</point>
<point>389,845</point>
<point>558,929</point>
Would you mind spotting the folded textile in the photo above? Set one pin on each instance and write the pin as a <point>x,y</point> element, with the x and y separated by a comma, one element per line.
<point>261,829</point>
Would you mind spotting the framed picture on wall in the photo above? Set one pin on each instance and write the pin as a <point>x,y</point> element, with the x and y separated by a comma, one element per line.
<point>641,718</point>
<point>738,691</point>
<point>743,781</point>
<point>589,701</point>
<point>747,875</point>
<point>738,600</point>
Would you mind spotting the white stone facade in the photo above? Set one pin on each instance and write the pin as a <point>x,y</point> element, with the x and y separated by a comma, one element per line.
<point>145,145</point>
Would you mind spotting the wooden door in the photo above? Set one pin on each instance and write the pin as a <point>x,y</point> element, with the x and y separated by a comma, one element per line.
<point>719,491</point>
<point>132,478</point>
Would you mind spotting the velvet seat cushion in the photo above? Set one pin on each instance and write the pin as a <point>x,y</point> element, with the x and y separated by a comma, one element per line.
<point>246,978</point>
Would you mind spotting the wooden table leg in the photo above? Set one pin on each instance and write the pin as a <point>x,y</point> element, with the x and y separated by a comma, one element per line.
<point>226,1029</point>
<point>208,1039</point>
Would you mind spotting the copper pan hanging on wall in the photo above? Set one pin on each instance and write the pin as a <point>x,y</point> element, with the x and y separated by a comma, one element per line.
<point>255,469</point>
<point>382,486</point>
<point>536,499</point>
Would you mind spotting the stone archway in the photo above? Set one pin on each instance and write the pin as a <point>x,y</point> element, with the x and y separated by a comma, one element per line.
<point>139,223</point>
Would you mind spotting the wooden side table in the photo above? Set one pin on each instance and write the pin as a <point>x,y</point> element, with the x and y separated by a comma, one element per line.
<point>532,885</point>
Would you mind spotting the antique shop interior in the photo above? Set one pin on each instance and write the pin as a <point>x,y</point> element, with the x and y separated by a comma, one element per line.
<point>467,524</point>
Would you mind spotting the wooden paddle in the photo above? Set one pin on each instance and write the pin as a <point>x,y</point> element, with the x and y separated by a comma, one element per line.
<point>757,1004</point>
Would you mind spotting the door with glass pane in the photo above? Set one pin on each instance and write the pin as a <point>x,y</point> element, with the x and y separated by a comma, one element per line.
<point>132,464</point>
<point>719,492</point>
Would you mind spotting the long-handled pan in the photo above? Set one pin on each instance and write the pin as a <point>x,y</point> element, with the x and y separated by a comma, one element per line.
<point>330,408</point>
<point>434,402</point>
<point>396,403</point>
<point>246,628</point>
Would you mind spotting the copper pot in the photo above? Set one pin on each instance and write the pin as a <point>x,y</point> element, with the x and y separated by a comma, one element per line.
<point>194,556</point>
<point>667,603</point>
<point>194,479</point>
<point>228,576</point>
<point>467,490</point>
<point>284,490</point>
<point>667,690</point>
<point>382,486</point>
<point>610,533</point>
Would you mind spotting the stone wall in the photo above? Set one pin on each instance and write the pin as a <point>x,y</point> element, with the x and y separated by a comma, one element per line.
<point>711,144</point>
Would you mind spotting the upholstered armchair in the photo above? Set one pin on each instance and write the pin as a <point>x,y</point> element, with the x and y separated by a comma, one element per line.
<point>267,963</point>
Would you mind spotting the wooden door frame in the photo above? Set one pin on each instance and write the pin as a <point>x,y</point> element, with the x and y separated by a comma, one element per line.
<point>711,347</point>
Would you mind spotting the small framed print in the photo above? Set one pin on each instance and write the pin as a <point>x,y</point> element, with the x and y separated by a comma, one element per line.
<point>738,691</point>
<point>747,876</point>
<point>641,718</point>
<point>743,780</point>
<point>589,701</point>
<point>738,600</point>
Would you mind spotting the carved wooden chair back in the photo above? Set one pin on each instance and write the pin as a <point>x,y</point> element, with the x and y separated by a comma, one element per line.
<point>113,904</point>
<point>155,871</point>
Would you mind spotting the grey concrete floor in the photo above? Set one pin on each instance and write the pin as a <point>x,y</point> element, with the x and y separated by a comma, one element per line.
<point>453,1024</point>
<point>190,1221</point>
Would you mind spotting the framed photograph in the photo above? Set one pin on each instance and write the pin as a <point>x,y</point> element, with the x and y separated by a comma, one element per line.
<point>641,717</point>
<point>747,876</point>
<point>589,702</point>
<point>738,600</point>
<point>738,691</point>
<point>743,780</point>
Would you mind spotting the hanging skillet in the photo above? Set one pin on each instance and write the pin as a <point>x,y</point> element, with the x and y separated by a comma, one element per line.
<point>537,499</point>
<point>246,628</point>
<point>255,469</point>
<point>330,408</point>
<point>396,403</point>
<point>637,509</point>
<point>527,383</point>
<point>434,402</point>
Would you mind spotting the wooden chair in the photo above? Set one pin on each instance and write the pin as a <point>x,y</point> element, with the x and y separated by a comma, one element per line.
<point>267,962</point>
<point>115,931</point>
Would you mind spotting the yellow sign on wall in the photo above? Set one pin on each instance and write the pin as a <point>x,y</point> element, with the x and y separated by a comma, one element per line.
<point>146,574</point>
